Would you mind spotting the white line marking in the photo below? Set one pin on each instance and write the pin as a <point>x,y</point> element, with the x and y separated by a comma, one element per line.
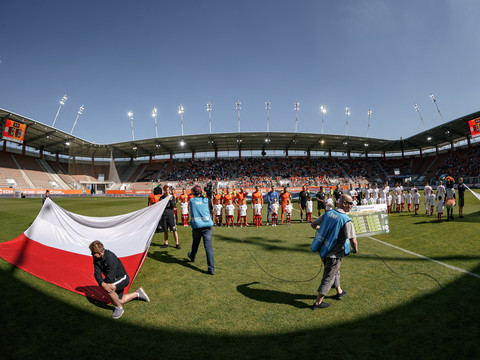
<point>427,258</point>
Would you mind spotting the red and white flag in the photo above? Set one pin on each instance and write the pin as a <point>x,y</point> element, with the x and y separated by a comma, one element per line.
<point>55,247</point>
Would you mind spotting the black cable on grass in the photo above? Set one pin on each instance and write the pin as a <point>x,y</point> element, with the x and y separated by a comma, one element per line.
<point>399,274</point>
<point>271,275</point>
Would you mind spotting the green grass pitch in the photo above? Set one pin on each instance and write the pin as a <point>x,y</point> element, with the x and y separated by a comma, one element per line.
<point>242,312</point>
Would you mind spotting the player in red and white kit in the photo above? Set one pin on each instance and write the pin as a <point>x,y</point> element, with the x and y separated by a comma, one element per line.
<point>229,211</point>
<point>274,211</point>
<point>309,209</point>
<point>288,211</point>
<point>217,208</point>
<point>243,213</point>
<point>184,206</point>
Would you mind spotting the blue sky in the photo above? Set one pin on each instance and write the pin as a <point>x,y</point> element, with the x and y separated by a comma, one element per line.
<point>119,56</point>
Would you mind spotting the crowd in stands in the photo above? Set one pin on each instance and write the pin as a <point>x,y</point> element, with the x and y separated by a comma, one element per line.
<point>461,163</point>
<point>265,171</point>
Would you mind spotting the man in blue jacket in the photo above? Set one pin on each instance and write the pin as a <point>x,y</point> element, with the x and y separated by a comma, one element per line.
<point>335,227</point>
<point>202,226</point>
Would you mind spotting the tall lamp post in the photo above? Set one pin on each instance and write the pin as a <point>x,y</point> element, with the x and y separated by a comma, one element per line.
<point>296,107</point>
<point>130,116</point>
<point>432,97</point>
<point>418,111</point>
<point>209,109</point>
<point>238,107</point>
<point>347,114</point>
<point>62,102</point>
<point>180,111</point>
<point>369,113</point>
<point>323,110</point>
<point>267,107</point>
<point>154,114</point>
<point>79,112</point>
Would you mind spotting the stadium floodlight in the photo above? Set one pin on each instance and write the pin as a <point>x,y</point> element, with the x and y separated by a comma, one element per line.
<point>432,97</point>
<point>182,143</point>
<point>130,116</point>
<point>238,107</point>
<point>296,107</point>
<point>79,112</point>
<point>323,110</point>
<point>209,109</point>
<point>369,113</point>
<point>180,111</point>
<point>429,138</point>
<point>67,143</point>
<point>62,102</point>
<point>267,107</point>
<point>347,114</point>
<point>418,111</point>
<point>154,114</point>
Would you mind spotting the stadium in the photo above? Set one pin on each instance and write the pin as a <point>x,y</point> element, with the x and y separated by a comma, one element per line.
<point>408,245</point>
<point>48,158</point>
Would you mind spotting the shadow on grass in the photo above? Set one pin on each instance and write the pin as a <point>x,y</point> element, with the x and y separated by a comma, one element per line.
<point>165,257</point>
<point>430,327</point>
<point>259,241</point>
<point>273,296</point>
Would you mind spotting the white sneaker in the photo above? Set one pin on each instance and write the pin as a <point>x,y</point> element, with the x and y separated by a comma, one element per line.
<point>117,313</point>
<point>142,295</point>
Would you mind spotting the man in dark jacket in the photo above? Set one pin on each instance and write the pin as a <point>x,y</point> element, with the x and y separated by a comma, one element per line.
<point>112,277</point>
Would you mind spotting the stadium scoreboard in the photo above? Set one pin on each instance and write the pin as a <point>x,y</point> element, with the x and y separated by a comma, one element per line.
<point>14,131</point>
<point>370,220</point>
<point>474,126</point>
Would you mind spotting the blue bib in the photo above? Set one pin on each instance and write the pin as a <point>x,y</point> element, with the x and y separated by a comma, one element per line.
<point>326,237</point>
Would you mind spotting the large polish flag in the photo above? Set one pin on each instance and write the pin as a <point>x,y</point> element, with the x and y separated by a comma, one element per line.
<point>55,247</point>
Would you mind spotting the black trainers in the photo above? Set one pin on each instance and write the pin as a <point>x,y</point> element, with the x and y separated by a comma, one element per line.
<point>341,295</point>
<point>322,305</point>
<point>178,247</point>
<point>164,246</point>
<point>190,257</point>
<point>210,272</point>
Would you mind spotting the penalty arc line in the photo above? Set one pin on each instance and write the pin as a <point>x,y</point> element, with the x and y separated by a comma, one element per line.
<point>427,258</point>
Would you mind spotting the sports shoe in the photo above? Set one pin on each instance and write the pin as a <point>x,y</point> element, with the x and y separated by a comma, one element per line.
<point>341,295</point>
<point>190,257</point>
<point>117,313</point>
<point>178,247</point>
<point>142,295</point>
<point>210,272</point>
<point>322,305</point>
<point>164,246</point>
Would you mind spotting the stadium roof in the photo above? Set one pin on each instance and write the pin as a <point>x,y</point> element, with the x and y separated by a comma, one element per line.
<point>46,138</point>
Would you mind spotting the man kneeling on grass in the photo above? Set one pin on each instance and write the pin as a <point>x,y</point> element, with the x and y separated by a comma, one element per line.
<point>116,278</point>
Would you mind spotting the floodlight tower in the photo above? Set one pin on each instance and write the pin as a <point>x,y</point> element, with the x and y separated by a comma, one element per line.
<point>209,109</point>
<point>418,111</point>
<point>323,110</point>
<point>238,107</point>
<point>180,111</point>
<point>347,114</point>
<point>296,107</point>
<point>130,116</point>
<point>80,112</point>
<point>435,102</point>
<point>154,114</point>
<point>369,113</point>
<point>62,102</point>
<point>267,107</point>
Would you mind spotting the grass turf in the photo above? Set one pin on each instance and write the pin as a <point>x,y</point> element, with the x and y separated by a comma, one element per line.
<point>241,312</point>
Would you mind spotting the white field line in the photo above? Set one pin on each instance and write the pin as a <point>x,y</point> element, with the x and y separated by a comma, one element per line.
<point>427,258</point>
